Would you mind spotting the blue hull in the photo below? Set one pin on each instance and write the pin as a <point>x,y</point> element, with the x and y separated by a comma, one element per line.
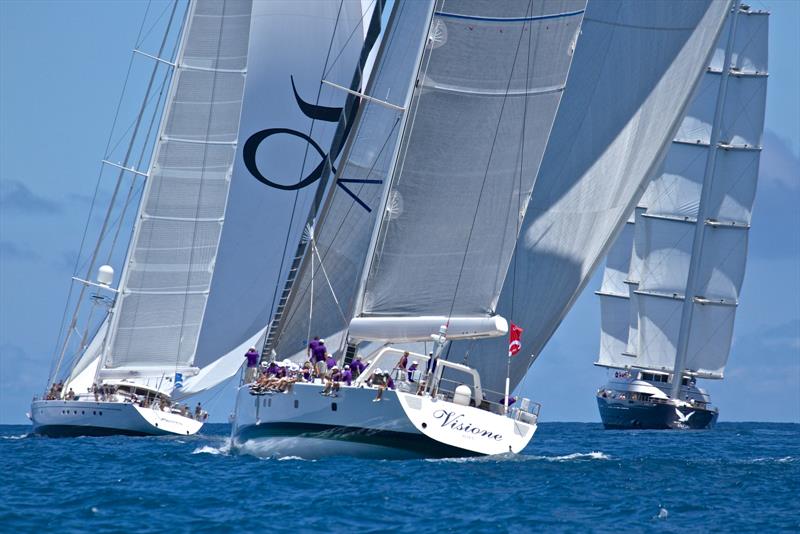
<point>629,414</point>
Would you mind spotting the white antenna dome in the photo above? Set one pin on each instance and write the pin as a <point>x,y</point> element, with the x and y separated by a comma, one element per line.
<point>105,275</point>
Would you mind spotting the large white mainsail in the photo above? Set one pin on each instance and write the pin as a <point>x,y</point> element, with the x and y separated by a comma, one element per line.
<point>209,242</point>
<point>636,65</point>
<point>665,232</point>
<point>481,113</point>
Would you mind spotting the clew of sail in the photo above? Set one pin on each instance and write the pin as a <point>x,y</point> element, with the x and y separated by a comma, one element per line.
<point>635,68</point>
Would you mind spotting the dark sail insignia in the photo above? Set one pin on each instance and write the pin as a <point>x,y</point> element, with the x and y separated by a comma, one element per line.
<point>322,113</point>
<point>251,147</point>
<point>345,116</point>
<point>314,112</point>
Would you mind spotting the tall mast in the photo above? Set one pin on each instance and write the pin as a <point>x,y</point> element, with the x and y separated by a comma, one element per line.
<point>114,317</point>
<point>124,167</point>
<point>699,229</point>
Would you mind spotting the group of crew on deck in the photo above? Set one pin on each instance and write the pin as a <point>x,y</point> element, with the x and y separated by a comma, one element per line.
<point>113,393</point>
<point>279,376</point>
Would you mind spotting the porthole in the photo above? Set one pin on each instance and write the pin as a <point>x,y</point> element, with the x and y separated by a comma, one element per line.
<point>94,412</point>
<point>424,425</point>
<point>269,403</point>
<point>83,413</point>
<point>296,403</point>
<point>101,413</point>
<point>334,407</point>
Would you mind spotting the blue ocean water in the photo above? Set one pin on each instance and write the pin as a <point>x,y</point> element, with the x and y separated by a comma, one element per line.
<point>573,477</point>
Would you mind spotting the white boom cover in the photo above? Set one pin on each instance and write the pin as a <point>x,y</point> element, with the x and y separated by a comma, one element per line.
<point>665,232</point>
<point>635,68</point>
<point>209,245</point>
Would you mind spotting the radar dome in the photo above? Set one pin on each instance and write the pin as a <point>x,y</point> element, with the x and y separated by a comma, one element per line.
<point>105,275</point>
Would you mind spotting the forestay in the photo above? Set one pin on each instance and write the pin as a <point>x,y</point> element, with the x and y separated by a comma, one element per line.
<point>490,82</point>
<point>635,67</point>
<point>173,315</point>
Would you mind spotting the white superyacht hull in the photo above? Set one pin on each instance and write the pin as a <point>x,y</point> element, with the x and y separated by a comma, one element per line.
<point>66,418</point>
<point>305,423</point>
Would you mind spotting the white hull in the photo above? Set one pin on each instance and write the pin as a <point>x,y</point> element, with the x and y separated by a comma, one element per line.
<point>59,418</point>
<point>305,423</point>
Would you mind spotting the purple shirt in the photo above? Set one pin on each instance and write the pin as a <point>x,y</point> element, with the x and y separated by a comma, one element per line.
<point>411,372</point>
<point>336,375</point>
<point>252,358</point>
<point>358,365</point>
<point>347,376</point>
<point>330,362</point>
<point>389,382</point>
<point>318,352</point>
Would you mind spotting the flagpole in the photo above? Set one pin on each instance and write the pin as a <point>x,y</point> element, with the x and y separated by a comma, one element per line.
<point>514,346</point>
<point>508,382</point>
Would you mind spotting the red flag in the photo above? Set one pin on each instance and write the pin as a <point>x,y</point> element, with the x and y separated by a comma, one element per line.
<point>514,340</point>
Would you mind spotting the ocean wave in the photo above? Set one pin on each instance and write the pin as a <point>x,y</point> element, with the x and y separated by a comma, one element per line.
<point>284,458</point>
<point>208,449</point>
<point>21,436</point>
<point>767,460</point>
<point>594,455</point>
<point>510,457</point>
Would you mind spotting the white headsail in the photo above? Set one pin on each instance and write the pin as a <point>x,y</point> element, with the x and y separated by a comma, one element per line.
<point>665,231</point>
<point>245,122</point>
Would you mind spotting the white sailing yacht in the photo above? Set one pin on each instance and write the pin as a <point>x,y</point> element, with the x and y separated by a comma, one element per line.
<point>656,341</point>
<point>243,120</point>
<point>509,141</point>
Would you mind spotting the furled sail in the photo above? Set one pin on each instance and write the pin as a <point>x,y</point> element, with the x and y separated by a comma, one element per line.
<point>209,245</point>
<point>341,238</point>
<point>485,99</point>
<point>636,65</point>
<point>727,185</point>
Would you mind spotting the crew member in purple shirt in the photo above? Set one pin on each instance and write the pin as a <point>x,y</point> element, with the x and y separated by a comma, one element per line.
<point>330,362</point>
<point>312,346</point>
<point>252,364</point>
<point>358,366</point>
<point>347,375</point>
<point>412,370</point>
<point>318,355</point>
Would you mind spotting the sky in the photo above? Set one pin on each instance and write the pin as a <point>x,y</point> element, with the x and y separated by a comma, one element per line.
<point>62,67</point>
